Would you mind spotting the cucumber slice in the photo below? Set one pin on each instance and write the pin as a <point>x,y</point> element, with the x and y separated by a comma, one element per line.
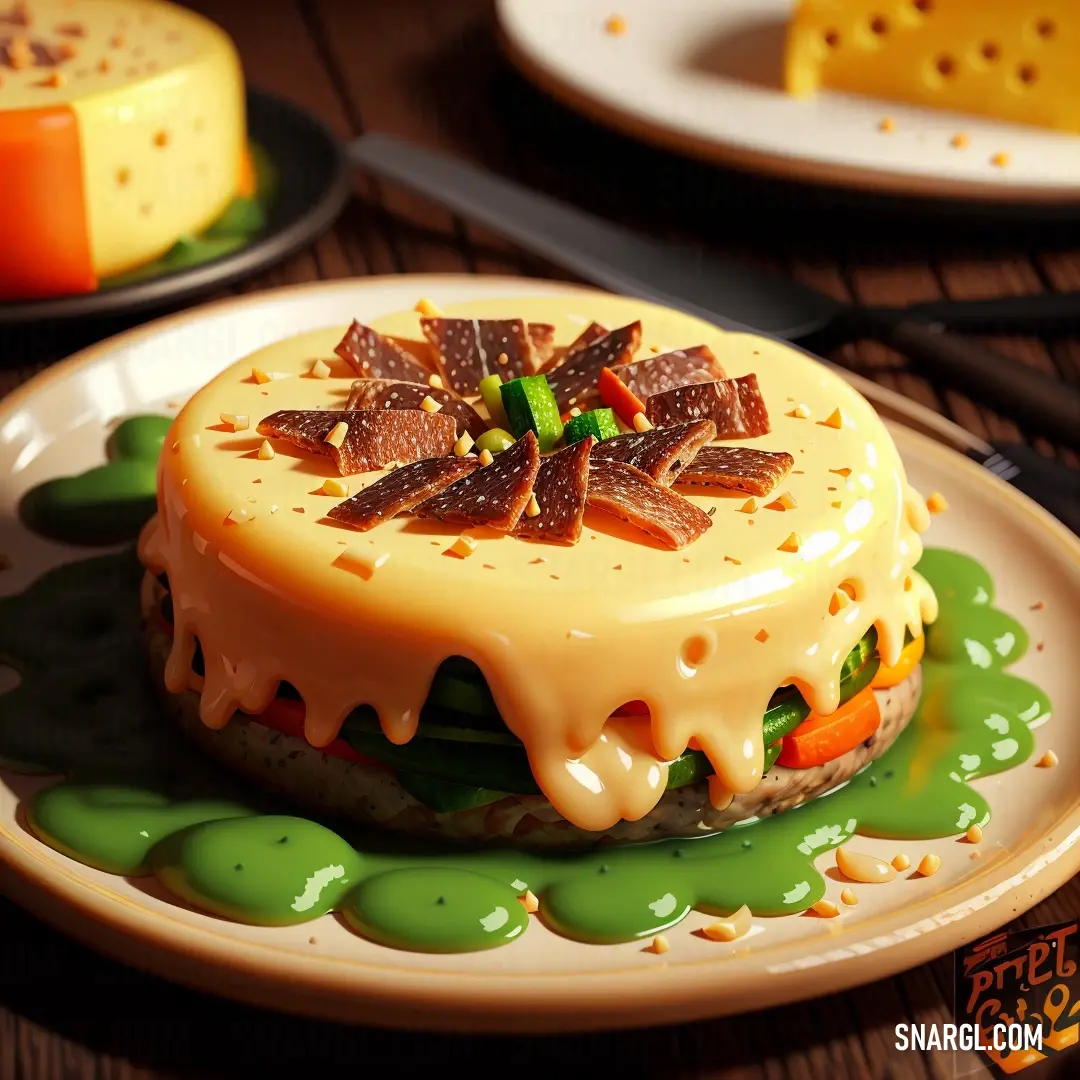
<point>478,765</point>
<point>436,724</point>
<point>441,797</point>
<point>772,752</point>
<point>458,695</point>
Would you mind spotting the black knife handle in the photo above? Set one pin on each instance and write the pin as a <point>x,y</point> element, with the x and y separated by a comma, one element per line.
<point>1044,403</point>
<point>1053,486</point>
<point>1035,315</point>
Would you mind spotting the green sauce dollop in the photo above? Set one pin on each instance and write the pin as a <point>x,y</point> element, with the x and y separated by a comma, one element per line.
<point>128,811</point>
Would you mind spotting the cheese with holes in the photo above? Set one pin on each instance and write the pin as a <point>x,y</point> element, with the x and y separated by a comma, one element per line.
<point>1014,60</point>
<point>122,128</point>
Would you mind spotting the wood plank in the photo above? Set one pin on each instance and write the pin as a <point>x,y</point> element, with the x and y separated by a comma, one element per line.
<point>976,279</point>
<point>386,93</point>
<point>280,56</point>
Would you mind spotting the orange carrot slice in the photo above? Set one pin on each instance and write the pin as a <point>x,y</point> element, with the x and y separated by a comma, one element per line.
<point>909,659</point>
<point>819,739</point>
<point>618,396</point>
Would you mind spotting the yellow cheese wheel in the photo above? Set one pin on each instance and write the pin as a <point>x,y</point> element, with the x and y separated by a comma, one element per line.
<point>150,97</point>
<point>1011,59</point>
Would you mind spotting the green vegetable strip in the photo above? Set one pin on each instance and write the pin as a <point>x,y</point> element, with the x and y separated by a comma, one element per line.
<point>495,440</point>
<point>772,752</point>
<point>530,406</point>
<point>489,391</point>
<point>600,423</point>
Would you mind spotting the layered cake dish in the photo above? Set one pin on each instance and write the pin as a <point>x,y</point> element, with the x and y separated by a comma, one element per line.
<point>550,572</point>
<point>1006,59</point>
<point>122,132</point>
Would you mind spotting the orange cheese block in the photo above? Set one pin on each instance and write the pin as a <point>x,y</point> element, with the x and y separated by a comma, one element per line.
<point>122,128</point>
<point>44,246</point>
<point>1015,60</point>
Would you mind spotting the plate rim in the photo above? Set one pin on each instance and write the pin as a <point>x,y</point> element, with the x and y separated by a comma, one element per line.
<point>265,251</point>
<point>792,169</point>
<point>258,973</point>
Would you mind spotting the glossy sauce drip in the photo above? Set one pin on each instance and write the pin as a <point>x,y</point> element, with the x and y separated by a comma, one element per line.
<point>210,847</point>
<point>267,602</point>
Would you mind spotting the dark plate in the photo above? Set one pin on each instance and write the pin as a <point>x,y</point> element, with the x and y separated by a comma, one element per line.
<point>313,187</point>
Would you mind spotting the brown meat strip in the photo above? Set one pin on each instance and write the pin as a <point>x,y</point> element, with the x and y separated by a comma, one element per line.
<point>374,356</point>
<point>592,333</point>
<point>560,488</point>
<point>655,374</point>
<point>630,495</point>
<point>365,392</point>
<point>737,468</point>
<point>386,394</point>
<point>574,382</point>
<point>663,453</point>
<point>735,406</point>
<point>401,491</point>
<point>467,350</point>
<point>495,495</point>
<point>374,438</point>
<point>542,340</point>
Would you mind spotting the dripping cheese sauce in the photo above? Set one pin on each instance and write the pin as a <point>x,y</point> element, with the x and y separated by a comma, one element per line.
<point>564,635</point>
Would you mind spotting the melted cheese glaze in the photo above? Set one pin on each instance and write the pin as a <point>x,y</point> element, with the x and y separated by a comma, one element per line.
<point>564,635</point>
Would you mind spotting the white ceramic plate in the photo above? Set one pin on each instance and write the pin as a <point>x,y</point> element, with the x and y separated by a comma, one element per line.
<point>703,77</point>
<point>57,424</point>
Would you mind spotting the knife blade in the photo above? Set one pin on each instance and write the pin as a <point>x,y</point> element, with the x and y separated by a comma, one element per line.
<point>711,287</point>
<point>621,261</point>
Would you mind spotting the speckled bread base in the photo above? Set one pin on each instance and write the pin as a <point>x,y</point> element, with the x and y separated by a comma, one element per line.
<point>324,784</point>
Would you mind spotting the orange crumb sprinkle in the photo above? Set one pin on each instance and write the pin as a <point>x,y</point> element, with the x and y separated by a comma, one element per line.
<point>792,543</point>
<point>615,25</point>
<point>960,141</point>
<point>784,502</point>
<point>839,601</point>
<point>748,507</point>
<point>1000,161</point>
<point>888,125</point>
<point>762,636</point>
<point>929,865</point>
<point>835,419</point>
<point>937,504</point>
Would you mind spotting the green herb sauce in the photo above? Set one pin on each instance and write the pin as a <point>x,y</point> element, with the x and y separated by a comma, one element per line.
<point>139,800</point>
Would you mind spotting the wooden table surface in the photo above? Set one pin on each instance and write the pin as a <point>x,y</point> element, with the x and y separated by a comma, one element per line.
<point>430,70</point>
